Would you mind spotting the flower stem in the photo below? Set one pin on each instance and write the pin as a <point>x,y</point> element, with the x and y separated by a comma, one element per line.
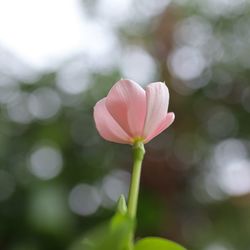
<point>138,154</point>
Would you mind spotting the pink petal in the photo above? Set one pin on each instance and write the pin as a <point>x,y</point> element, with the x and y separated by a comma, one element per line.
<point>157,97</point>
<point>107,126</point>
<point>166,122</point>
<point>126,102</point>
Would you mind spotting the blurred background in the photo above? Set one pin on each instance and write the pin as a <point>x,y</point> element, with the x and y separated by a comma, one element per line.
<point>59,179</point>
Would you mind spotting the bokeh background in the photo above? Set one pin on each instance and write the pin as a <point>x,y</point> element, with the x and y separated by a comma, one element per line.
<point>59,179</point>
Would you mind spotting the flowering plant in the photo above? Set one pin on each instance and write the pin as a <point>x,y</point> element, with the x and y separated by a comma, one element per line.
<point>131,115</point>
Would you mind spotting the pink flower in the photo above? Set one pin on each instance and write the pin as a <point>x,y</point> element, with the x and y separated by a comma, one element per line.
<point>129,113</point>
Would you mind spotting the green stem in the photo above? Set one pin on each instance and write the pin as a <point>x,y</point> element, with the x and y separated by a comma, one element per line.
<point>138,154</point>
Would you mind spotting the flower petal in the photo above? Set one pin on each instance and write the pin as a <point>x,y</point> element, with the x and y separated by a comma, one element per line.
<point>126,102</point>
<point>107,126</point>
<point>157,97</point>
<point>166,122</point>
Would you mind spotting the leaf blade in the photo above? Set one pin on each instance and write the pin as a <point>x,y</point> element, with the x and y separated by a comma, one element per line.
<point>156,243</point>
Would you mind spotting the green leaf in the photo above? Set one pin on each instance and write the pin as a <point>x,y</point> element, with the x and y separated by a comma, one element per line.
<point>155,243</point>
<point>114,235</point>
<point>121,205</point>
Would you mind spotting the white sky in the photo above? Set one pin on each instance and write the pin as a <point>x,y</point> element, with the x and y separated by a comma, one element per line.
<point>45,33</point>
<point>42,33</point>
